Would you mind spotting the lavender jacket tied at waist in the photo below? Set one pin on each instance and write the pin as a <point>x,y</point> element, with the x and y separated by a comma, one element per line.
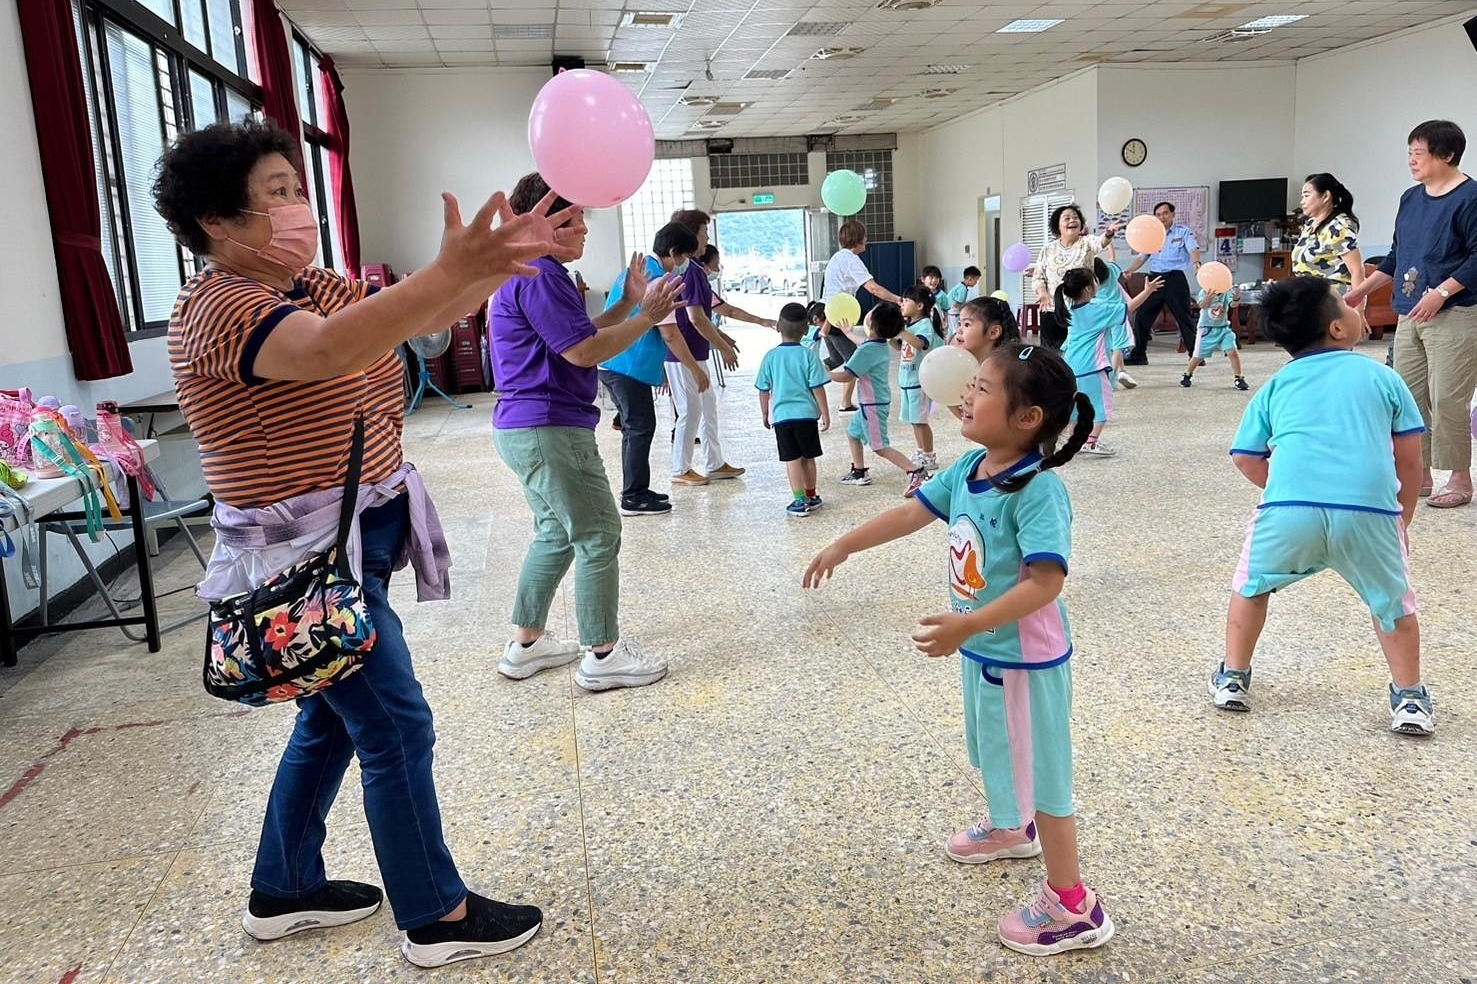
<point>253,545</point>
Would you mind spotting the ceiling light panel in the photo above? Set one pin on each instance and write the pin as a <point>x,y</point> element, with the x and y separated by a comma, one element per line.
<point>1269,22</point>
<point>661,20</point>
<point>817,29</point>
<point>1027,25</point>
<point>523,32</point>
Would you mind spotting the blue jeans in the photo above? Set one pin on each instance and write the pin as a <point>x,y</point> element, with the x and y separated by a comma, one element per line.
<point>381,715</point>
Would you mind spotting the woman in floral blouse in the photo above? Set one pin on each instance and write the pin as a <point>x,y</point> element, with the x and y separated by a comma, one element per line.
<point>1068,249</point>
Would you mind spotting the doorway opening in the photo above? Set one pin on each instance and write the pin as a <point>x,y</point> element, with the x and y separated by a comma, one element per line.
<point>763,258</point>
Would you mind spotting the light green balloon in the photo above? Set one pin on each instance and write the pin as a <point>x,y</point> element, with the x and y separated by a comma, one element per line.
<point>844,192</point>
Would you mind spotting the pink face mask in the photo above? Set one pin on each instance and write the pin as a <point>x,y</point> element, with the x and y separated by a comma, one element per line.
<point>294,240</point>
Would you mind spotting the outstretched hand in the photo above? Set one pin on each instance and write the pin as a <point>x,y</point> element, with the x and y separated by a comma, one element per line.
<point>478,250</point>
<point>637,281</point>
<point>823,566</point>
<point>659,299</point>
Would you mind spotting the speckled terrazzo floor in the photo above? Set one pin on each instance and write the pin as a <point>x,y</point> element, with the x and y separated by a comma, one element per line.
<point>773,811</point>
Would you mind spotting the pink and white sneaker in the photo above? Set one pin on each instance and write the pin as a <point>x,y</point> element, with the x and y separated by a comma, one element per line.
<point>980,843</point>
<point>1046,926</point>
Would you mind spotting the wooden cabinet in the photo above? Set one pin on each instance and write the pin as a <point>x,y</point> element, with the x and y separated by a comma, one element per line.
<point>1277,265</point>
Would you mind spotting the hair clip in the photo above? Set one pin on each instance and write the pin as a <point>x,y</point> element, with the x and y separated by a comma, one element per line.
<point>1026,352</point>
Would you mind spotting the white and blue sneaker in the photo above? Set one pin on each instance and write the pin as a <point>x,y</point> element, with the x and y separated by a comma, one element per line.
<point>1411,712</point>
<point>1230,689</point>
<point>799,507</point>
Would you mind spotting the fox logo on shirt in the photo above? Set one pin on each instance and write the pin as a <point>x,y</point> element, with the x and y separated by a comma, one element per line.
<point>966,561</point>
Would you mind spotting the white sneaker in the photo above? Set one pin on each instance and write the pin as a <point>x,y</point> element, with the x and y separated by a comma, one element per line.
<point>1099,449</point>
<point>1128,381</point>
<point>626,666</point>
<point>520,662</point>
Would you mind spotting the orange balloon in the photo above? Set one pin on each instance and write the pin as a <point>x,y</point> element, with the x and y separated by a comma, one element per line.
<point>1145,234</point>
<point>1215,277</point>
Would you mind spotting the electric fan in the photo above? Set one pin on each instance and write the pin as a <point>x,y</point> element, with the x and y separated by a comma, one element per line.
<point>427,347</point>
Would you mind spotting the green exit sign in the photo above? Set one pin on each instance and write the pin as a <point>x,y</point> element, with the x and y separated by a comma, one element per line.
<point>766,199</point>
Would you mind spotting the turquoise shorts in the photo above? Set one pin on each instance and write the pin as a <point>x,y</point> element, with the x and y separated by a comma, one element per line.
<point>914,406</point>
<point>1210,339</point>
<point>1285,544</point>
<point>1017,724</point>
<point>1119,340</point>
<point>1099,389</point>
<point>869,425</point>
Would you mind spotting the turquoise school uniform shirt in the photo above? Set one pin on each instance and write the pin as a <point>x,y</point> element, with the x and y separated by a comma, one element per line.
<point>1325,420</point>
<point>993,537</point>
<point>959,294</point>
<point>1086,347</point>
<point>869,365</point>
<point>1110,294</point>
<point>907,367</point>
<point>788,373</point>
<point>1215,309</point>
<point>646,359</point>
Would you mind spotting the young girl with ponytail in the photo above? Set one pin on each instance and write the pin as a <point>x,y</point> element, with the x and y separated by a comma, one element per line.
<point>1089,330</point>
<point>1010,532</point>
<point>925,332</point>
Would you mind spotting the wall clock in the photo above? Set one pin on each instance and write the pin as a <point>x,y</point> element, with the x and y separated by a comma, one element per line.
<point>1135,152</point>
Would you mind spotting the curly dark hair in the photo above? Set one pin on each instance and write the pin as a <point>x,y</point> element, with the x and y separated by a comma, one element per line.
<point>203,175</point>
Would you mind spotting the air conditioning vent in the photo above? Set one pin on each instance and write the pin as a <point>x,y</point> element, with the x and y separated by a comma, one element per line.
<point>699,100</point>
<point>906,5</point>
<point>836,54</point>
<point>946,69</point>
<point>630,67</point>
<point>649,18</point>
<point>767,74</point>
<point>817,29</point>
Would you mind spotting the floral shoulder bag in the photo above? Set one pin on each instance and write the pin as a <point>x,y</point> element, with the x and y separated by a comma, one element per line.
<point>302,630</point>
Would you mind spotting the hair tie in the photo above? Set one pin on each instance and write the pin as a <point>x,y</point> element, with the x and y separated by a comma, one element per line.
<point>1026,352</point>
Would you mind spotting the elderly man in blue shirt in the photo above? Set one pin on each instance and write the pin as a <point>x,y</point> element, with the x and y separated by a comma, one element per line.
<point>1176,263</point>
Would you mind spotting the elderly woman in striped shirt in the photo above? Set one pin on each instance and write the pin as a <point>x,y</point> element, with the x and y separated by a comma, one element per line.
<point>273,360</point>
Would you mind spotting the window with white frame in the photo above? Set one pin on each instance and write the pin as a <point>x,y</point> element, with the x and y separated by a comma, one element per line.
<point>1035,213</point>
<point>315,148</point>
<point>668,188</point>
<point>152,68</point>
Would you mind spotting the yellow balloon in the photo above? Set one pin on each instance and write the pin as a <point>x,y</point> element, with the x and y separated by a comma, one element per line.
<point>1001,295</point>
<point>843,309</point>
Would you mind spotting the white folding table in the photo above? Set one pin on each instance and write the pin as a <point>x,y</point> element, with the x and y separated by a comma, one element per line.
<point>50,499</point>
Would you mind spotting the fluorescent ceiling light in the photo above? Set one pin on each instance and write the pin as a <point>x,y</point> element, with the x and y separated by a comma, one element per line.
<point>1267,23</point>
<point>1027,25</point>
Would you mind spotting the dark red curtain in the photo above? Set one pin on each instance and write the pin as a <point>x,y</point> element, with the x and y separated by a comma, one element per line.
<point>336,126</point>
<point>274,60</point>
<point>95,332</point>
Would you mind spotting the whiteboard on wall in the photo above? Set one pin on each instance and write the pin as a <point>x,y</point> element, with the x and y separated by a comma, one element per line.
<point>1191,207</point>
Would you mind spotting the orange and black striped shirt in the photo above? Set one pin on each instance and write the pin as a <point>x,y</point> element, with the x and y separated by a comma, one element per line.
<point>265,440</point>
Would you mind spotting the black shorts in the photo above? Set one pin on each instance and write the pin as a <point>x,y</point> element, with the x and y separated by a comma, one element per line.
<point>798,439</point>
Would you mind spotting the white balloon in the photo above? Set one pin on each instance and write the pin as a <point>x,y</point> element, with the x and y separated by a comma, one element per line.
<point>945,372</point>
<point>1115,195</point>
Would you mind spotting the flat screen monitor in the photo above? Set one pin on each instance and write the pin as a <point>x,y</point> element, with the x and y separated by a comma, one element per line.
<point>1253,201</point>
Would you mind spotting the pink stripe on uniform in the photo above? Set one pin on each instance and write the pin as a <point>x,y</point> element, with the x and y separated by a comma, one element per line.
<point>1017,686</point>
<point>1407,601</point>
<point>1243,566</point>
<point>873,422</point>
<point>1105,380</point>
<point>1043,635</point>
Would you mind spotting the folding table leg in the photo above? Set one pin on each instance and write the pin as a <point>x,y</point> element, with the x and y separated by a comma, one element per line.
<point>145,572</point>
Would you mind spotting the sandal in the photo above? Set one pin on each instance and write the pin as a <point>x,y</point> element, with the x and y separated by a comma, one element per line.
<point>1449,499</point>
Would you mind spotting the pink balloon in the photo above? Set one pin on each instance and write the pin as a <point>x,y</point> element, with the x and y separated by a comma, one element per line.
<point>1016,258</point>
<point>1145,234</point>
<point>1214,277</point>
<point>592,140</point>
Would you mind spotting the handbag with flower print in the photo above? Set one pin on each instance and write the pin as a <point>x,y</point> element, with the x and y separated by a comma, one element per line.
<point>302,630</point>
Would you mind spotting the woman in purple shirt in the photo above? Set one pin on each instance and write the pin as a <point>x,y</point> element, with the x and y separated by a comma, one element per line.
<point>544,350</point>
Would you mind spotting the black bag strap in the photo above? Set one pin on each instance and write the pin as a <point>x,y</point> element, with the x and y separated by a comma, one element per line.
<point>351,489</point>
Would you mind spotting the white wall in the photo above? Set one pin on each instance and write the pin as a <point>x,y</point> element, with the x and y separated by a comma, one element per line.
<point>990,153</point>
<point>418,133</point>
<point>1202,124</point>
<point>33,311</point>
<point>1356,106</point>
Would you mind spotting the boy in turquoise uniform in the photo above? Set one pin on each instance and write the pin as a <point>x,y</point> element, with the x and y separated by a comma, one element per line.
<point>1334,441</point>
<point>869,366</point>
<point>792,399</point>
<point>1214,334</point>
<point>961,294</point>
